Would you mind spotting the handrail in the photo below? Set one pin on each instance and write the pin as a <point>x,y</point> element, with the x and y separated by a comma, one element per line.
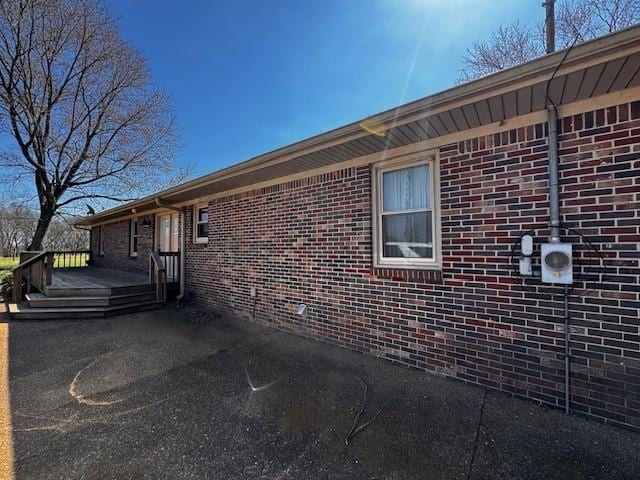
<point>29,261</point>
<point>38,273</point>
<point>172,265</point>
<point>155,256</point>
<point>158,276</point>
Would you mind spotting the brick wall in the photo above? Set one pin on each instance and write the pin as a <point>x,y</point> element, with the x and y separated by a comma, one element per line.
<point>309,241</point>
<point>116,245</point>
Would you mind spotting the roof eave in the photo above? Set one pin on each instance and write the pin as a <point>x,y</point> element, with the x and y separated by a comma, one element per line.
<point>525,72</point>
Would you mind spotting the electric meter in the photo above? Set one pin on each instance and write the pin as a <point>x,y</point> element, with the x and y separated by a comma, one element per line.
<point>557,264</point>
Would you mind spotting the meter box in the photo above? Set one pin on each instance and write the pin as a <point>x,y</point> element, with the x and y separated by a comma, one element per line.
<point>556,263</point>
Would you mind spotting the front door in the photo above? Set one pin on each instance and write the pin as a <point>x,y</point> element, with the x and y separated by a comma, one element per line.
<point>169,243</point>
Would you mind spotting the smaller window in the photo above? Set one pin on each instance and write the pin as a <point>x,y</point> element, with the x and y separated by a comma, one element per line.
<point>406,223</point>
<point>101,240</point>
<point>133,238</point>
<point>201,223</point>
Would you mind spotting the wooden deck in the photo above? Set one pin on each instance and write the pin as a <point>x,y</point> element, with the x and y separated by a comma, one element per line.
<point>88,292</point>
<point>94,277</point>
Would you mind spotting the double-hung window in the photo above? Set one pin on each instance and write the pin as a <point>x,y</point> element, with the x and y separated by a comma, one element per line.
<point>133,238</point>
<point>406,225</point>
<point>201,223</point>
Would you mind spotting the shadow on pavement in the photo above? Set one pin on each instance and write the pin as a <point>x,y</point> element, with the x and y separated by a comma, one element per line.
<point>151,395</point>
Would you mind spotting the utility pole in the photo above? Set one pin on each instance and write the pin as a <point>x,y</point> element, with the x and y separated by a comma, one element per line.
<point>550,25</point>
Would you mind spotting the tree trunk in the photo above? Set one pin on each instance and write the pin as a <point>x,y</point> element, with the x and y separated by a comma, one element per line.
<point>46,215</point>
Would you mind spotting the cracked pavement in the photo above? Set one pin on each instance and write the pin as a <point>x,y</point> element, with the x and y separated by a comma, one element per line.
<point>150,395</point>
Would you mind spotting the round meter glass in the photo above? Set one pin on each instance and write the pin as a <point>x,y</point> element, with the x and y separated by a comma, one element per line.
<point>557,260</point>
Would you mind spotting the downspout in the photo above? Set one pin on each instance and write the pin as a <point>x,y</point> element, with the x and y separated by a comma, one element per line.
<point>90,230</point>
<point>183,242</point>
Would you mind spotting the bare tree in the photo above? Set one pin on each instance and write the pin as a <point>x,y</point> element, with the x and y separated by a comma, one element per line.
<point>79,102</point>
<point>576,21</point>
<point>509,45</point>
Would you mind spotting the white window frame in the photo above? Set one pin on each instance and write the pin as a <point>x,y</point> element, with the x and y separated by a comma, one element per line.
<point>423,158</point>
<point>195,223</point>
<point>101,240</point>
<point>133,226</point>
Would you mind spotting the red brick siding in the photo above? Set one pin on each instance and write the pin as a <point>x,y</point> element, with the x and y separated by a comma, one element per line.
<point>309,241</point>
<point>116,245</point>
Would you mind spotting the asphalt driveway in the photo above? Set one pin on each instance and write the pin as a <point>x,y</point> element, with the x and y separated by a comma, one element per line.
<point>154,396</point>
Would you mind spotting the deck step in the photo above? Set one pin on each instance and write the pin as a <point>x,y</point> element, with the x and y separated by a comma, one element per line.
<point>23,311</point>
<point>98,291</point>
<point>38,300</point>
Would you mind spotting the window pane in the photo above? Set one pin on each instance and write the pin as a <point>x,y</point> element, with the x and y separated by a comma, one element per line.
<point>135,244</point>
<point>203,229</point>
<point>405,189</point>
<point>407,235</point>
<point>203,214</point>
<point>135,227</point>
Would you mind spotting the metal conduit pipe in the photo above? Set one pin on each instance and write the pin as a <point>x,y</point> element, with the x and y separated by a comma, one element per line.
<point>554,237</point>
<point>567,353</point>
<point>554,195</point>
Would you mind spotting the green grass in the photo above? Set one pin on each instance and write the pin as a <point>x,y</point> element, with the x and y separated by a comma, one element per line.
<point>6,264</point>
<point>70,261</point>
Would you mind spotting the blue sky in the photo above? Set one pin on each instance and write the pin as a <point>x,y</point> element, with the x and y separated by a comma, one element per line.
<point>248,77</point>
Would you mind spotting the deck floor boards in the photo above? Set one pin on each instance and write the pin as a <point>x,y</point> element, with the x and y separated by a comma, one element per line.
<point>95,277</point>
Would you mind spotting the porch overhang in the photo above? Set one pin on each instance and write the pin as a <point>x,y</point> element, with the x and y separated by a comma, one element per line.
<point>596,69</point>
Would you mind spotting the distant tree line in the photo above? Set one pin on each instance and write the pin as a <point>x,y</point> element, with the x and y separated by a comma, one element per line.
<point>18,224</point>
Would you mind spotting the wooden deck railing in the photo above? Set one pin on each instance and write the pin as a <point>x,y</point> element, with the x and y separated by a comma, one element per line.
<point>71,258</point>
<point>158,276</point>
<point>171,262</point>
<point>35,270</point>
